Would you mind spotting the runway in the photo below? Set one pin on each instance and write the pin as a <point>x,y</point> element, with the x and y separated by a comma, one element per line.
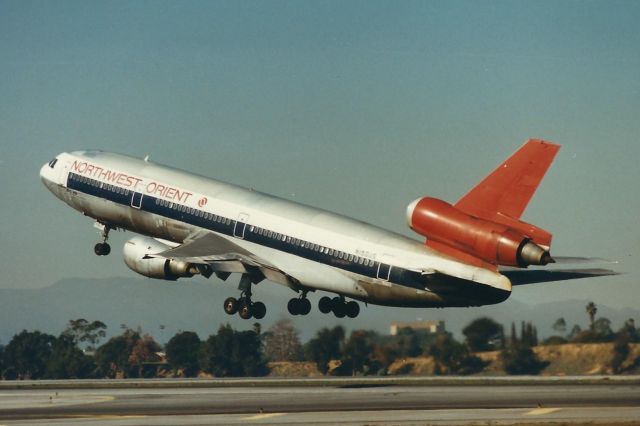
<point>394,403</point>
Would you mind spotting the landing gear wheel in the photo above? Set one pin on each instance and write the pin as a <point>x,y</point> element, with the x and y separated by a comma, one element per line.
<point>324,305</point>
<point>259,310</point>
<point>300,306</point>
<point>304,306</point>
<point>293,306</point>
<point>352,309</point>
<point>102,249</point>
<point>338,307</point>
<point>245,310</point>
<point>231,306</point>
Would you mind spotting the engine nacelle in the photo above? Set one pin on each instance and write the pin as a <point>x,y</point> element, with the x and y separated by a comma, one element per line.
<point>137,248</point>
<point>489,241</point>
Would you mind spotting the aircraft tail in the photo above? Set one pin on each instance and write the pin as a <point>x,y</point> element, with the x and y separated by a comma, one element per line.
<point>503,196</point>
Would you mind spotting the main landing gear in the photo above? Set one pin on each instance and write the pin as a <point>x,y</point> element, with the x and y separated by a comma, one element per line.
<point>103,248</point>
<point>299,306</point>
<point>244,306</point>
<point>339,307</point>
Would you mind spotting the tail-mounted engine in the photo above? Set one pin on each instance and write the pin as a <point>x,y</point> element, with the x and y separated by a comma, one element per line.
<point>136,252</point>
<point>489,241</point>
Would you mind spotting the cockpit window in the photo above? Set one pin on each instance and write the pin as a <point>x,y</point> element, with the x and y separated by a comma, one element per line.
<point>53,162</point>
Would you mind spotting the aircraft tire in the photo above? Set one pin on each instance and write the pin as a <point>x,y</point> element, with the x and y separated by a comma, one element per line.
<point>259,310</point>
<point>338,307</point>
<point>324,305</point>
<point>245,311</point>
<point>102,249</point>
<point>293,306</point>
<point>231,305</point>
<point>352,309</point>
<point>304,306</point>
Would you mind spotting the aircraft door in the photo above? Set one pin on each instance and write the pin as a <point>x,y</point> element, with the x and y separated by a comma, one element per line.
<point>136,198</point>
<point>384,271</point>
<point>240,225</point>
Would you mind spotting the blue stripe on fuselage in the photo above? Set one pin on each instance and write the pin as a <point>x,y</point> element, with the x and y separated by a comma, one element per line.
<point>264,237</point>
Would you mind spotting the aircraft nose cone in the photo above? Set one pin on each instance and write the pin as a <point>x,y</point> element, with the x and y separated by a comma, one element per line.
<point>46,173</point>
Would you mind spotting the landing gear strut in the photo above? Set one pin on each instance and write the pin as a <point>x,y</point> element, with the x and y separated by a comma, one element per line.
<point>244,306</point>
<point>339,307</point>
<point>103,248</point>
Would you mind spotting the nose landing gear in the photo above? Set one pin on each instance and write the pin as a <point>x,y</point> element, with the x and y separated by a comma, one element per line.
<point>103,248</point>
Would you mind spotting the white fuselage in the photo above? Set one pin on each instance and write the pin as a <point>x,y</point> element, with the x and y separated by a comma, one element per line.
<point>322,250</point>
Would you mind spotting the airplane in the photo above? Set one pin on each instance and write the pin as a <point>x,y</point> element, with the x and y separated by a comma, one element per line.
<point>475,250</point>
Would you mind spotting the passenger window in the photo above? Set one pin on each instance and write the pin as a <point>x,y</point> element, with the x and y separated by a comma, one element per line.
<point>350,257</point>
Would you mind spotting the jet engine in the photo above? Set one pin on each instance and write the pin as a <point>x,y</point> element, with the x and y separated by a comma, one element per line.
<point>135,256</point>
<point>490,241</point>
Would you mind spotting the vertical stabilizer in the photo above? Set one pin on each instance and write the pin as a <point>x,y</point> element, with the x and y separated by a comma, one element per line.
<point>509,188</point>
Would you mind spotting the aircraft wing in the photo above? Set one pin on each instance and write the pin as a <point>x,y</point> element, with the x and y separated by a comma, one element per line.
<point>207,247</point>
<point>223,255</point>
<point>532,276</point>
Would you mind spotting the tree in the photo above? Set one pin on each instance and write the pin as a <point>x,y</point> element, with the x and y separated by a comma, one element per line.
<point>574,333</point>
<point>483,334</point>
<point>621,351</point>
<point>27,354</point>
<point>67,361</point>
<point>112,358</point>
<point>357,353</point>
<point>452,357</point>
<point>233,353</point>
<point>600,331</point>
<point>591,311</point>
<point>145,350</point>
<point>182,352</point>
<point>630,329</point>
<point>82,331</point>
<point>325,347</point>
<point>282,342</point>
<point>408,342</point>
<point>520,359</point>
<point>560,325</point>
<point>514,334</point>
<point>1,361</point>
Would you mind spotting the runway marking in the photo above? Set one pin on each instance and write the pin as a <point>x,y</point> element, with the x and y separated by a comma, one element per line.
<point>541,411</point>
<point>105,416</point>
<point>263,416</point>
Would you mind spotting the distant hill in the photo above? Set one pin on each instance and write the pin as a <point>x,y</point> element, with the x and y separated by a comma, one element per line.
<point>197,305</point>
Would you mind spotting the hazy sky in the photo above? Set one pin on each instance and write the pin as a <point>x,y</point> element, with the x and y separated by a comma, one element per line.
<point>357,107</point>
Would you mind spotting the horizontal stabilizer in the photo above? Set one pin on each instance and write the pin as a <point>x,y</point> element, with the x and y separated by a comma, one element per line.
<point>581,260</point>
<point>521,277</point>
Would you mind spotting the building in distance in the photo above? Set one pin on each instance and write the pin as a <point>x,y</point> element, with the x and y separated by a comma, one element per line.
<point>429,326</point>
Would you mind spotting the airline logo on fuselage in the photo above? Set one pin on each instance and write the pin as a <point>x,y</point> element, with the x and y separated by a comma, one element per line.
<point>128,181</point>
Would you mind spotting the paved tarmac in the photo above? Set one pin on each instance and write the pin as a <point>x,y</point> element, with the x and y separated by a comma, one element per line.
<point>345,404</point>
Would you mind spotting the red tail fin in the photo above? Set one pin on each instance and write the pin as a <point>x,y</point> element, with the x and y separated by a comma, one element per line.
<point>509,188</point>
